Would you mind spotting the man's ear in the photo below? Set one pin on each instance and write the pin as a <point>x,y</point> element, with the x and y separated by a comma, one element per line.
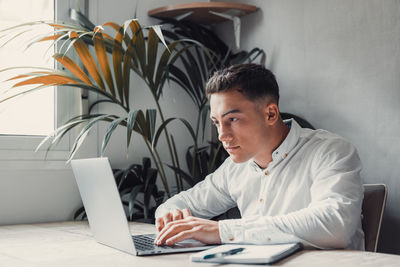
<point>271,113</point>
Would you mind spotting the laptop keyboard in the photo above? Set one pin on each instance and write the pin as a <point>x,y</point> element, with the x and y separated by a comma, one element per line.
<point>144,242</point>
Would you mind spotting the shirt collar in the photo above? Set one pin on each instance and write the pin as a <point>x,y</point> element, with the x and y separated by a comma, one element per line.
<point>283,150</point>
<point>290,141</point>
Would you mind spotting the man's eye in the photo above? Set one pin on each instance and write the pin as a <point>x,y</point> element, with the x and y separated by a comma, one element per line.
<point>233,119</point>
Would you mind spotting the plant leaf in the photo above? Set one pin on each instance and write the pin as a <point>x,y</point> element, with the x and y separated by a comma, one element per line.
<point>189,179</point>
<point>189,127</point>
<point>72,67</point>
<point>163,62</point>
<point>151,115</point>
<point>179,180</point>
<point>159,131</point>
<point>98,102</point>
<point>204,111</point>
<point>126,77</point>
<point>110,130</point>
<point>83,134</point>
<point>87,59</point>
<point>131,119</point>
<point>51,79</point>
<point>103,61</point>
<point>146,200</point>
<point>51,37</point>
<point>117,61</point>
<point>132,198</point>
<point>152,48</point>
<point>56,132</point>
<point>138,40</point>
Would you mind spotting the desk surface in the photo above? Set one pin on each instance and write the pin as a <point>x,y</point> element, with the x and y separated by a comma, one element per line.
<point>72,244</point>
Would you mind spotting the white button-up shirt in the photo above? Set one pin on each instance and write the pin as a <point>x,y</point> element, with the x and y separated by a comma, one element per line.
<point>311,192</point>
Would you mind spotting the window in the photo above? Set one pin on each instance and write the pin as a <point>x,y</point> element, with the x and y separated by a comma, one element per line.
<point>31,114</point>
<point>18,139</point>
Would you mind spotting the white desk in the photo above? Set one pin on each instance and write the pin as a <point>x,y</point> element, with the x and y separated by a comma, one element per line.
<point>72,244</point>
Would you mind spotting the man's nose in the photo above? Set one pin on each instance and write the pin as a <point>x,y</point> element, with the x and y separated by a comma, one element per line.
<point>224,134</point>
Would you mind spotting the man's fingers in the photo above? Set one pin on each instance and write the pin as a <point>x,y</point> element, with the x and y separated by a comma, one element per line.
<point>170,231</point>
<point>186,213</point>
<point>163,224</point>
<point>159,224</point>
<point>177,214</point>
<point>180,237</point>
<point>167,218</point>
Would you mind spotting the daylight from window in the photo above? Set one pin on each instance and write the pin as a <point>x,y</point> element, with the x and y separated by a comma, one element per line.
<point>33,113</point>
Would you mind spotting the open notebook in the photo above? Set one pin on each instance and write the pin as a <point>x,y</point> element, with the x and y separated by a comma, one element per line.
<point>252,254</point>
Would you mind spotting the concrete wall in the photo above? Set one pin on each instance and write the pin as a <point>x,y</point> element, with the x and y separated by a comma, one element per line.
<point>338,63</point>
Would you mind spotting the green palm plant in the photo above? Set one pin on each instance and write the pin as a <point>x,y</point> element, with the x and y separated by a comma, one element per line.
<point>201,159</point>
<point>130,50</point>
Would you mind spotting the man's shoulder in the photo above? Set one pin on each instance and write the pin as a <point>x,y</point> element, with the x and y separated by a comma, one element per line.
<point>324,138</point>
<point>324,145</point>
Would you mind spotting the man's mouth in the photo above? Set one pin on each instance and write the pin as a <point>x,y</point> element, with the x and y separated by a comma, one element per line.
<point>230,149</point>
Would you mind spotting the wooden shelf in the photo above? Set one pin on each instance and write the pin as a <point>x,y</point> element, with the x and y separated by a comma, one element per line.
<point>201,12</point>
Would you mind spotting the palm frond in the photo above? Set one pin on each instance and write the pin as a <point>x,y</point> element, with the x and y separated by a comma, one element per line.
<point>84,133</point>
<point>87,59</point>
<point>101,53</point>
<point>110,130</point>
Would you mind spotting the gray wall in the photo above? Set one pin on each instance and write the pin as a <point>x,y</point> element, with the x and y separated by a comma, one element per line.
<point>338,64</point>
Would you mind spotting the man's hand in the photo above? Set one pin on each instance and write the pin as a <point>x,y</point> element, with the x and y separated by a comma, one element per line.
<point>173,215</point>
<point>205,231</point>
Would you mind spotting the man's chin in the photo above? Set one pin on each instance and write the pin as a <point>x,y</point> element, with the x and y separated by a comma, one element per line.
<point>237,159</point>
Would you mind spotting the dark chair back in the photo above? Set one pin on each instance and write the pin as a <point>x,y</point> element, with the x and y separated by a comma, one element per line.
<point>372,210</point>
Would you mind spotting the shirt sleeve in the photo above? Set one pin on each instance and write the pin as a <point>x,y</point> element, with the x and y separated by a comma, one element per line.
<point>206,199</point>
<point>329,221</point>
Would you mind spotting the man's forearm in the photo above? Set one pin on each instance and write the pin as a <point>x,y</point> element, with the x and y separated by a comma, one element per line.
<point>317,227</point>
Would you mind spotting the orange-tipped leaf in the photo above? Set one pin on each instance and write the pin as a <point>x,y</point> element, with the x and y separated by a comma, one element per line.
<point>117,61</point>
<point>87,60</point>
<point>73,68</point>
<point>52,37</point>
<point>103,61</point>
<point>46,80</point>
<point>138,40</point>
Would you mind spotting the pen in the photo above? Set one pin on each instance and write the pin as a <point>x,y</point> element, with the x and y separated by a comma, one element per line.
<point>224,253</point>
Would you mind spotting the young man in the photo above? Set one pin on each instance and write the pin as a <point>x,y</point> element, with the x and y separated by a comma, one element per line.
<point>290,184</point>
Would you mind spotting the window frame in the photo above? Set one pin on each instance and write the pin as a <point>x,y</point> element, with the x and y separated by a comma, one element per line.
<point>15,149</point>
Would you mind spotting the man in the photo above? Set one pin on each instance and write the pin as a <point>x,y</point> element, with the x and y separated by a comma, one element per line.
<point>290,184</point>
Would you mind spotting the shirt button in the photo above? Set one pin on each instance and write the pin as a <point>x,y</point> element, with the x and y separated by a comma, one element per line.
<point>266,172</point>
<point>261,200</point>
<point>231,238</point>
<point>285,156</point>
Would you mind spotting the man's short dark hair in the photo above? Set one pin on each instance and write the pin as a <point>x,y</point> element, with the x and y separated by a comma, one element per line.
<point>254,81</point>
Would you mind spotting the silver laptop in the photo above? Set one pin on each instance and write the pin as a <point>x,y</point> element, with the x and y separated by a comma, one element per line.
<point>106,214</point>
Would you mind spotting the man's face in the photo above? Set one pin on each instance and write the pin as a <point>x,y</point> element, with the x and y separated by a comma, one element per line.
<point>241,126</point>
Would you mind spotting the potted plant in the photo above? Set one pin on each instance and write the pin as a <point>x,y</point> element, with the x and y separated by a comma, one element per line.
<point>134,49</point>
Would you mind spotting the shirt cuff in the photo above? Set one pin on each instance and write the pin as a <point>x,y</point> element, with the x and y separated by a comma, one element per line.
<point>231,231</point>
<point>244,231</point>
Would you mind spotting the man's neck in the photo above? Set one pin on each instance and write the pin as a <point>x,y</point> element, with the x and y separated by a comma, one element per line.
<point>281,132</point>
